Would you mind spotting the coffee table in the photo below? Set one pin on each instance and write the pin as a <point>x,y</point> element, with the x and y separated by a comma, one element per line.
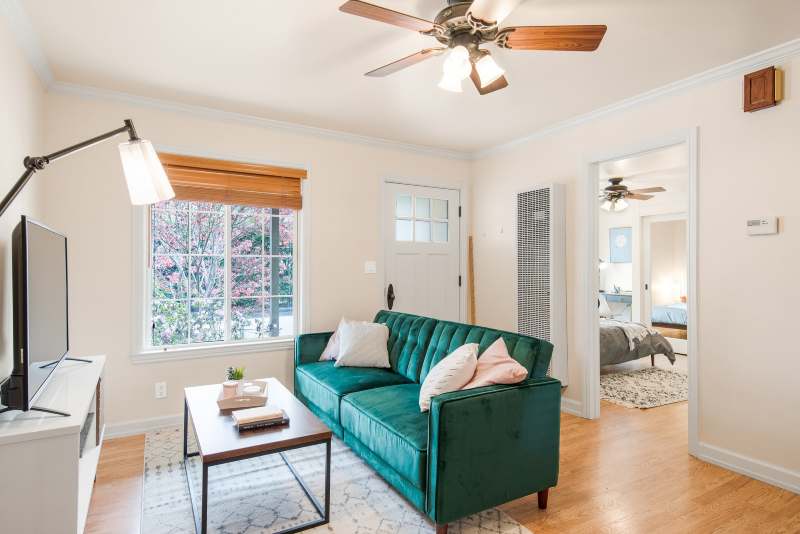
<point>219,442</point>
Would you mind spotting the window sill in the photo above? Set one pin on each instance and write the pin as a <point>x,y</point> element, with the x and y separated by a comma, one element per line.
<point>191,353</point>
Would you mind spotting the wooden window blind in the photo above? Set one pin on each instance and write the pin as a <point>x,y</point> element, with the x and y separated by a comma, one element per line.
<point>230,182</point>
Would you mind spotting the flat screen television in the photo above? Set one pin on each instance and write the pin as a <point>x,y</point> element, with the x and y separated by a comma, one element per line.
<point>41,318</point>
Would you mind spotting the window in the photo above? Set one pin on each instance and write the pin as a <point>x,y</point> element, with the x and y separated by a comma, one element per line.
<point>421,219</point>
<point>220,273</point>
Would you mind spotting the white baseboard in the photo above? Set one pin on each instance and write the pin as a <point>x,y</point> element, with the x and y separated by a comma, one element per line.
<point>142,426</point>
<point>738,463</point>
<point>571,407</point>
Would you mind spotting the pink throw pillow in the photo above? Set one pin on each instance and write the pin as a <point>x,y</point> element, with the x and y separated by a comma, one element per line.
<point>495,366</point>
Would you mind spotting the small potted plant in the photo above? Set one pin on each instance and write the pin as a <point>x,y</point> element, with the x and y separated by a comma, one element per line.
<point>234,377</point>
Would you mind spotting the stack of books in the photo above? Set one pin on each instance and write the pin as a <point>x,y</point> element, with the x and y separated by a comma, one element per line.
<point>261,417</point>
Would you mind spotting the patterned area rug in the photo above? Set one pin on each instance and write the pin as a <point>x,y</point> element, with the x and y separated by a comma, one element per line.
<point>645,388</point>
<point>260,495</point>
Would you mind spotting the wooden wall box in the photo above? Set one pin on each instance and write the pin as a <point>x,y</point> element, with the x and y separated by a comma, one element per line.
<point>762,89</point>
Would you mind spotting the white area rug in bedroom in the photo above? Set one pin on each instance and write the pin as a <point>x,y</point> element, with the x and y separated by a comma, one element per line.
<point>645,388</point>
<point>260,495</point>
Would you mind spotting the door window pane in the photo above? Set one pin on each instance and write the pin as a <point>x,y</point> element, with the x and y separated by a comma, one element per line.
<point>423,210</point>
<point>440,232</point>
<point>422,231</point>
<point>439,209</point>
<point>403,206</point>
<point>403,230</point>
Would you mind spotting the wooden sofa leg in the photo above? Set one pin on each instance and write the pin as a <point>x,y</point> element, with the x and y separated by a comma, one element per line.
<point>652,360</point>
<point>441,529</point>
<point>542,496</point>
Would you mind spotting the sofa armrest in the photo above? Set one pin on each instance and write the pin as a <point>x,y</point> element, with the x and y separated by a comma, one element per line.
<point>490,445</point>
<point>308,347</point>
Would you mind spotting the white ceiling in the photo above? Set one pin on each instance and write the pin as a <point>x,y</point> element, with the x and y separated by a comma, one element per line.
<point>303,61</point>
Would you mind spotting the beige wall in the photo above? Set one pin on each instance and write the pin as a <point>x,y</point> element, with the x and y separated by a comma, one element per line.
<point>88,202</point>
<point>20,135</point>
<point>748,287</point>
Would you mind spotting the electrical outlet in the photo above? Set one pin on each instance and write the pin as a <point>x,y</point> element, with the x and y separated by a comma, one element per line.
<point>161,390</point>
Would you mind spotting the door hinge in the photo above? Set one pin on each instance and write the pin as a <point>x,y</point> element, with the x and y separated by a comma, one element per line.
<point>459,211</point>
<point>459,280</point>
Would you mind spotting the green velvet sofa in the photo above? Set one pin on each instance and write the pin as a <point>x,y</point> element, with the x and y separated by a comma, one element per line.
<point>474,450</point>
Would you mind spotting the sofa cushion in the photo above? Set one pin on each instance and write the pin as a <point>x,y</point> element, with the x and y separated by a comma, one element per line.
<point>388,421</point>
<point>531,353</point>
<point>409,336</point>
<point>325,385</point>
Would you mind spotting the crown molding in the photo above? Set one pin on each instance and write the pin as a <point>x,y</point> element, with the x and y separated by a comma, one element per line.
<point>27,39</point>
<point>752,62</point>
<point>253,120</point>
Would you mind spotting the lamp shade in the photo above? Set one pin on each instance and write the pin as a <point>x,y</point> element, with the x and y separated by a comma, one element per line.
<point>147,181</point>
<point>488,70</point>
<point>450,83</point>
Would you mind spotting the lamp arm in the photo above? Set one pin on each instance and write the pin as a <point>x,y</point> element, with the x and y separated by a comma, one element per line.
<point>38,163</point>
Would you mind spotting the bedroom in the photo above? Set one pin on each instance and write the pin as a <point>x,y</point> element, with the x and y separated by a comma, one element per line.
<point>642,278</point>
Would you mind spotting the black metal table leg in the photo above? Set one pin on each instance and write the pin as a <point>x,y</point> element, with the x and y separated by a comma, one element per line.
<point>204,510</point>
<point>328,481</point>
<point>185,428</point>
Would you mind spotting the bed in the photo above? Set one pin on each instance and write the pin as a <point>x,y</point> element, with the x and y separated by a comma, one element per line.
<point>670,320</point>
<point>622,342</point>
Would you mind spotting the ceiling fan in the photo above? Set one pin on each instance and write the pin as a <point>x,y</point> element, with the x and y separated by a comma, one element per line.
<point>462,27</point>
<point>615,195</point>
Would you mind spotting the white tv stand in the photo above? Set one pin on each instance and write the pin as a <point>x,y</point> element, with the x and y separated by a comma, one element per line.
<point>47,470</point>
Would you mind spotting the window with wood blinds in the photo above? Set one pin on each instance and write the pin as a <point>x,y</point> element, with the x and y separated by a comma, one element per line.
<point>228,182</point>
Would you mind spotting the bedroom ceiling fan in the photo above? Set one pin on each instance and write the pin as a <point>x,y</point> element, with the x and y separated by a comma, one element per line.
<point>462,27</point>
<point>615,195</point>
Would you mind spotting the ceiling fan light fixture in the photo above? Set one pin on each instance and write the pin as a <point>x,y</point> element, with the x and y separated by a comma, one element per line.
<point>620,205</point>
<point>457,64</point>
<point>606,205</point>
<point>488,70</point>
<point>451,83</point>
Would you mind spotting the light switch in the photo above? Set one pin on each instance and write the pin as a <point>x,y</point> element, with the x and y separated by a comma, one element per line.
<point>370,267</point>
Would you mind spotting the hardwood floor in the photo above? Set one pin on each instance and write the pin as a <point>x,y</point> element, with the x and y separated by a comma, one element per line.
<point>628,471</point>
<point>117,497</point>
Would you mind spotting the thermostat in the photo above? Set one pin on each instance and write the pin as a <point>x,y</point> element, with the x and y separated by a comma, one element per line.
<point>762,226</point>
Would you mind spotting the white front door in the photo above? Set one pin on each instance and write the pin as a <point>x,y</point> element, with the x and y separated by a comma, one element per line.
<point>422,243</point>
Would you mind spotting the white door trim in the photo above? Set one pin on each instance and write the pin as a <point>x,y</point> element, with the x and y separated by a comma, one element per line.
<point>590,171</point>
<point>463,228</point>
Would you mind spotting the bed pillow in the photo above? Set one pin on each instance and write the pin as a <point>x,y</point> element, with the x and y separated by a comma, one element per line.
<point>495,366</point>
<point>603,308</point>
<point>363,344</point>
<point>450,374</point>
<point>331,351</point>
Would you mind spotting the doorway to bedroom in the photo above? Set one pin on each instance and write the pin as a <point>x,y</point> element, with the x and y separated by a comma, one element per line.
<point>642,291</point>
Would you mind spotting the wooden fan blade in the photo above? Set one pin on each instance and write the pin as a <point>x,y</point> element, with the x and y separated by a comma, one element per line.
<point>500,83</point>
<point>493,11</point>
<point>407,61</point>
<point>648,190</point>
<point>636,196</point>
<point>389,16</point>
<point>565,38</point>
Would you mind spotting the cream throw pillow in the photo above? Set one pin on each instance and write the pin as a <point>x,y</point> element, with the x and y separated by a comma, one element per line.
<point>450,374</point>
<point>331,351</point>
<point>363,345</point>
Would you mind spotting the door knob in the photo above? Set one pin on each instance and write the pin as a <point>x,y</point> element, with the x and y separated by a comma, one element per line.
<point>390,296</point>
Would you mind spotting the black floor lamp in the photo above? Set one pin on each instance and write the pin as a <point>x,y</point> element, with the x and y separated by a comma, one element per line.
<point>147,181</point>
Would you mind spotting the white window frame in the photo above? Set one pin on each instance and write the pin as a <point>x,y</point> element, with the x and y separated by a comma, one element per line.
<point>142,350</point>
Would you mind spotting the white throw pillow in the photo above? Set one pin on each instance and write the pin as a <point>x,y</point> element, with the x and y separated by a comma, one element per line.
<point>363,345</point>
<point>331,351</point>
<point>450,374</point>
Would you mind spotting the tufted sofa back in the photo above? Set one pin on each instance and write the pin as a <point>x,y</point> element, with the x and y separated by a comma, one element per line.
<point>417,343</point>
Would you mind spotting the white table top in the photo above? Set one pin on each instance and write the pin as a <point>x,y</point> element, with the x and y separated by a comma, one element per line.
<point>70,390</point>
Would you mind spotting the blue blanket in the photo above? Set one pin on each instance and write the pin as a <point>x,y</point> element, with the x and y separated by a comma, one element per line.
<point>670,314</point>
